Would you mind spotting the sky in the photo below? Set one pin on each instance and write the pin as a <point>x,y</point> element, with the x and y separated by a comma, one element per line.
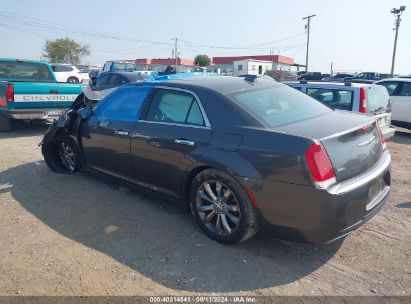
<point>356,35</point>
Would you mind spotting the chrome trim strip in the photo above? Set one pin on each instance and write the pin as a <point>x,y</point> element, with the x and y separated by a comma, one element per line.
<point>184,142</point>
<point>174,124</point>
<point>206,121</point>
<point>378,198</point>
<point>362,179</point>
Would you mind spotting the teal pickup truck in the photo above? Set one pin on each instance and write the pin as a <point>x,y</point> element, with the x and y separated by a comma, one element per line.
<point>29,90</point>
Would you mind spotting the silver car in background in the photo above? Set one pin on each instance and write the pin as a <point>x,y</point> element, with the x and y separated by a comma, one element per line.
<point>356,97</point>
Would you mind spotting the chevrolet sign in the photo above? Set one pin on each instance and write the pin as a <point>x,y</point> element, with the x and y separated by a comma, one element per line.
<point>44,97</point>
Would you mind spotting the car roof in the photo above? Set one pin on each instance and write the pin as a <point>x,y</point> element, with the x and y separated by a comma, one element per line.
<point>23,60</point>
<point>63,64</point>
<point>330,83</point>
<point>396,79</point>
<point>132,76</point>
<point>121,61</point>
<point>220,84</point>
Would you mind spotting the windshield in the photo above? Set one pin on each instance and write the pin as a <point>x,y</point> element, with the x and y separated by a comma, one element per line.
<point>124,66</point>
<point>25,71</point>
<point>279,105</point>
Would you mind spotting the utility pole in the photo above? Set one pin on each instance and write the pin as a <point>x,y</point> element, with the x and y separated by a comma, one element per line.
<point>307,27</point>
<point>397,12</point>
<point>175,50</point>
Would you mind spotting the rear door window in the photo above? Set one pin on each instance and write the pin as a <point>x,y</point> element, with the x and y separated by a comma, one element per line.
<point>377,99</point>
<point>405,89</point>
<point>391,86</point>
<point>62,68</point>
<point>171,106</point>
<point>334,98</point>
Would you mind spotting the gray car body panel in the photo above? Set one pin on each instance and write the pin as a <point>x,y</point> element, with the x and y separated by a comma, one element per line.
<point>270,162</point>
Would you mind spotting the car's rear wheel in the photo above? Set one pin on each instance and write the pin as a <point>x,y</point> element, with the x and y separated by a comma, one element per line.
<point>222,208</point>
<point>72,80</point>
<point>5,123</point>
<point>62,155</point>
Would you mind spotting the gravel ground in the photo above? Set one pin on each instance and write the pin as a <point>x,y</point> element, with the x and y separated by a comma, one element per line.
<point>85,235</point>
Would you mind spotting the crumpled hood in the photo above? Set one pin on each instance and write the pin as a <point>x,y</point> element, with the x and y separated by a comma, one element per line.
<point>96,95</point>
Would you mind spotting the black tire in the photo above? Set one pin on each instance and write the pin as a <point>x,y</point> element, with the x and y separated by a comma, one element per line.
<point>54,153</point>
<point>5,123</point>
<point>246,224</point>
<point>73,80</point>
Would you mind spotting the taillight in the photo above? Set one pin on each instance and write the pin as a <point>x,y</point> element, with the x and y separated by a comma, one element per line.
<point>363,100</point>
<point>9,93</point>
<point>319,164</point>
<point>384,145</point>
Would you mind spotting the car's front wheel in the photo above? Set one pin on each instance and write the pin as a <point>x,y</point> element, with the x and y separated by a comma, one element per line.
<point>62,155</point>
<point>222,207</point>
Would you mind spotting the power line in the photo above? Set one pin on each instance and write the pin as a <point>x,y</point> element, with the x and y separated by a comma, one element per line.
<point>32,22</point>
<point>255,46</point>
<point>52,26</point>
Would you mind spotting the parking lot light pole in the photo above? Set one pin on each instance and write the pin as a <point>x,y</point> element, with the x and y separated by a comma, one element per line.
<point>397,12</point>
<point>307,27</point>
<point>175,50</point>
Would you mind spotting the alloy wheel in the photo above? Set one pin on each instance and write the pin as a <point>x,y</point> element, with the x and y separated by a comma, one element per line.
<point>68,156</point>
<point>218,207</point>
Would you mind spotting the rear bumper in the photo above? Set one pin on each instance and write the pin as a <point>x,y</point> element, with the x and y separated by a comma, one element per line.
<point>388,132</point>
<point>35,113</point>
<point>304,213</point>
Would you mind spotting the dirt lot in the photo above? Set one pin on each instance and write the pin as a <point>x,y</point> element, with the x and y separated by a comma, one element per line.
<point>83,235</point>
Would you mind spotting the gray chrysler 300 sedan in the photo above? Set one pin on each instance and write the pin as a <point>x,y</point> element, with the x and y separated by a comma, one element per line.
<point>243,153</point>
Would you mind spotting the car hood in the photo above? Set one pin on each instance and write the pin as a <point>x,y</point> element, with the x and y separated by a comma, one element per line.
<point>96,95</point>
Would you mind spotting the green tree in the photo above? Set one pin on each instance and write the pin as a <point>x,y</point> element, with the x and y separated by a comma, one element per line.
<point>202,60</point>
<point>65,50</point>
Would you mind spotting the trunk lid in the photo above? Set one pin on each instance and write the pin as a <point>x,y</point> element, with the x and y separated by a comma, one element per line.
<point>351,140</point>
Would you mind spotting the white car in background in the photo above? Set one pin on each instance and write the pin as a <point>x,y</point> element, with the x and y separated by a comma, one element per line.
<point>68,73</point>
<point>399,90</point>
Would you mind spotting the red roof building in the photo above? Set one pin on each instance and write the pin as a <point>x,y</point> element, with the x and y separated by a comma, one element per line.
<point>164,61</point>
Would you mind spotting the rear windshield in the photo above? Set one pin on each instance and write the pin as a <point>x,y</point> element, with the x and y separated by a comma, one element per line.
<point>377,98</point>
<point>25,71</point>
<point>124,66</point>
<point>279,105</point>
<point>334,98</point>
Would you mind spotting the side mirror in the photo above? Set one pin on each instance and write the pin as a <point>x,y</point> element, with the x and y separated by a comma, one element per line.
<point>85,113</point>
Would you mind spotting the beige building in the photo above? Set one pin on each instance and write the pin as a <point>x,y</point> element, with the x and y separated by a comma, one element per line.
<point>251,67</point>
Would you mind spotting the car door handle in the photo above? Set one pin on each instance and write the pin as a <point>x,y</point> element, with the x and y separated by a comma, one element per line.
<point>184,142</point>
<point>121,133</point>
